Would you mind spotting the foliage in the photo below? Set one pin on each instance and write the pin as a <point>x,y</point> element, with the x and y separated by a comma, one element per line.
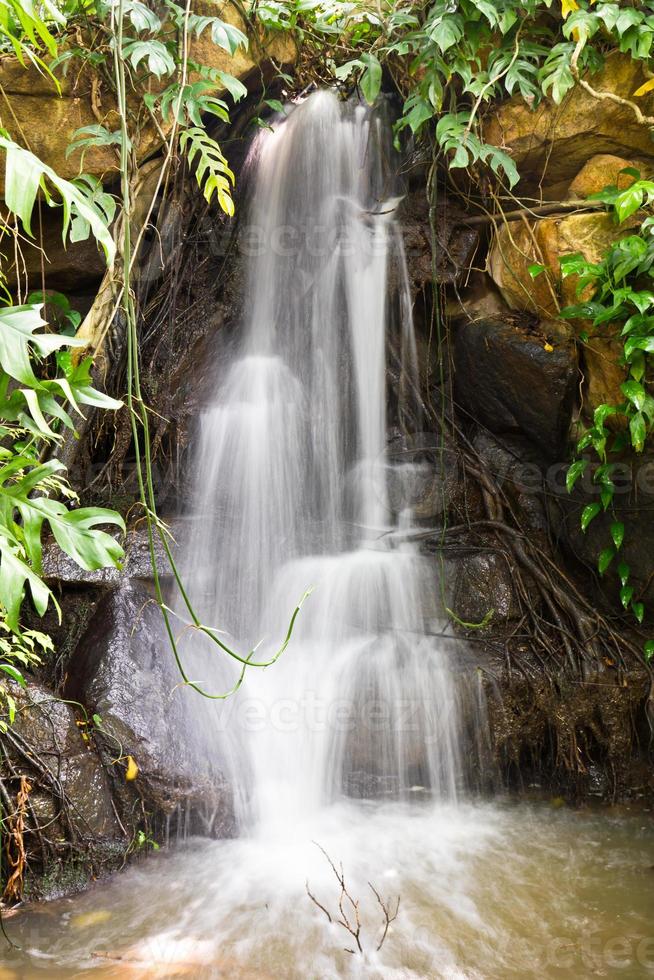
<point>31,411</point>
<point>212,171</point>
<point>35,405</point>
<point>622,294</point>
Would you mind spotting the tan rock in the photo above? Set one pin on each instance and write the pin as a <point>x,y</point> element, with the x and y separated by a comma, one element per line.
<point>603,373</point>
<point>602,171</point>
<point>520,244</point>
<point>552,143</point>
<point>45,121</point>
<point>513,249</point>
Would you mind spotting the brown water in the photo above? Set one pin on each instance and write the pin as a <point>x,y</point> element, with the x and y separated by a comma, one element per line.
<point>487,891</point>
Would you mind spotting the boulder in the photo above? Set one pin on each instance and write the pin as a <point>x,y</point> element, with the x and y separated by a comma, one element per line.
<point>52,730</point>
<point>605,170</point>
<point>59,568</point>
<point>484,586</point>
<point>511,379</point>
<point>551,143</point>
<point>519,245</point>
<point>603,374</point>
<point>124,670</point>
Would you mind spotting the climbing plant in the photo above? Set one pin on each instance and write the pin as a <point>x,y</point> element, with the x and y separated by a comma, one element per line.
<point>616,293</point>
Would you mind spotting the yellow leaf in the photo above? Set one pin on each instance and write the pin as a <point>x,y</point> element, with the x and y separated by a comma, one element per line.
<point>568,6</point>
<point>86,919</point>
<point>132,769</point>
<point>548,348</point>
<point>644,89</point>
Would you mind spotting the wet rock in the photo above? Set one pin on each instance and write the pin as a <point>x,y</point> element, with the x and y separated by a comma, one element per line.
<point>422,476</point>
<point>48,728</point>
<point>455,245</point>
<point>552,143</point>
<point>519,473</point>
<point>512,380</point>
<point>484,588</point>
<point>123,670</point>
<point>59,568</point>
<point>573,738</point>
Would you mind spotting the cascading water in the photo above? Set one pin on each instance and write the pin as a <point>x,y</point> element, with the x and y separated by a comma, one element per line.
<point>291,493</point>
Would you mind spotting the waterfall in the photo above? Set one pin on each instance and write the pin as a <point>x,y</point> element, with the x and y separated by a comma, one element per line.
<point>292,493</point>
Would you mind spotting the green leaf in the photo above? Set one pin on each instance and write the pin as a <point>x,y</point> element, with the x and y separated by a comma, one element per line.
<point>617,533</point>
<point>15,675</point>
<point>234,85</point>
<point>628,202</point>
<point>638,610</point>
<point>588,514</point>
<point>575,470</point>
<point>638,431</point>
<point>626,595</point>
<point>25,175</point>
<point>160,60</point>
<point>372,77</point>
<point>635,393</point>
<point>605,559</point>
<point>624,571</point>
<point>212,171</point>
<point>15,574</point>
<point>18,325</point>
<point>536,269</point>
<point>648,650</point>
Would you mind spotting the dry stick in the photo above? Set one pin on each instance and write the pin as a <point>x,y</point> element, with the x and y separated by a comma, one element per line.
<point>354,929</point>
<point>388,918</point>
<point>605,96</point>
<point>542,210</point>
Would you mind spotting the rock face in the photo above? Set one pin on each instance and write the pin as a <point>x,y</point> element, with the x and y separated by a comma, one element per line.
<point>69,783</point>
<point>516,381</point>
<point>124,671</point>
<point>552,143</point>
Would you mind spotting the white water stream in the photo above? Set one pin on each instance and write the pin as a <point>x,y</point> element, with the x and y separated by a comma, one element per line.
<point>291,494</point>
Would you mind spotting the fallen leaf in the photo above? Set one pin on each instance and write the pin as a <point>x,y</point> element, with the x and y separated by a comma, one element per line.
<point>647,87</point>
<point>86,919</point>
<point>548,348</point>
<point>132,769</point>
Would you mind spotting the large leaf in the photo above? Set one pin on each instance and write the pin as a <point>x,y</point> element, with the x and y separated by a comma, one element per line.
<point>15,575</point>
<point>25,175</point>
<point>18,326</point>
<point>74,530</point>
